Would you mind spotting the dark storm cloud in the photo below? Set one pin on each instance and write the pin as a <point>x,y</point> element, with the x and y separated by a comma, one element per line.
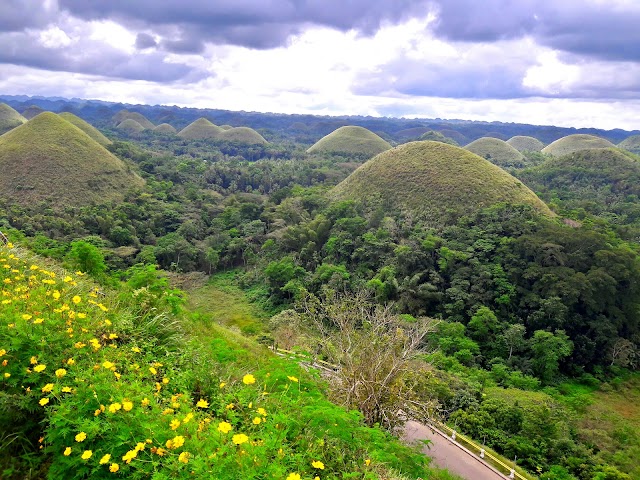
<point>16,15</point>
<point>93,59</point>
<point>607,31</point>
<point>257,24</point>
<point>144,40</point>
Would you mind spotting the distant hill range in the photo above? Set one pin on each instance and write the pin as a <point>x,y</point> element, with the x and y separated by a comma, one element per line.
<point>304,128</point>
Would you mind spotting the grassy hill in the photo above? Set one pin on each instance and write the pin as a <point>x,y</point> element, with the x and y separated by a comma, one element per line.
<point>574,143</point>
<point>226,127</point>
<point>86,127</point>
<point>497,152</point>
<point>525,144</point>
<point>631,144</point>
<point>165,128</point>
<point>598,180</point>
<point>242,135</point>
<point>435,181</point>
<point>130,126</point>
<point>9,118</point>
<point>455,135</point>
<point>351,140</point>
<point>201,129</point>
<point>438,137</point>
<point>49,159</point>
<point>32,111</point>
<point>98,385</point>
<point>123,115</point>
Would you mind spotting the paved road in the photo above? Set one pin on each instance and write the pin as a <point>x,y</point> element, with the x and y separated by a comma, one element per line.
<point>447,455</point>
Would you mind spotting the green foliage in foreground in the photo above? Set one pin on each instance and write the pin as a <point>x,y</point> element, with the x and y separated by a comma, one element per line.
<point>94,387</point>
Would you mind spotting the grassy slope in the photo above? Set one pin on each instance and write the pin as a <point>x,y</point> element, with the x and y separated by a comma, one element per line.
<point>242,135</point>
<point>86,127</point>
<point>350,140</point>
<point>32,111</point>
<point>496,151</point>
<point>573,143</point>
<point>123,115</point>
<point>200,129</point>
<point>126,394</point>
<point>50,159</point>
<point>525,144</point>
<point>130,126</point>
<point>631,143</point>
<point>165,128</point>
<point>9,118</point>
<point>434,179</point>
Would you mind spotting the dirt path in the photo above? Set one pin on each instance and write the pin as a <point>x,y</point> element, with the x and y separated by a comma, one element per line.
<point>447,455</point>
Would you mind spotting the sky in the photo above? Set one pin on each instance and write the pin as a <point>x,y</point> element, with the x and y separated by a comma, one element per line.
<point>550,62</point>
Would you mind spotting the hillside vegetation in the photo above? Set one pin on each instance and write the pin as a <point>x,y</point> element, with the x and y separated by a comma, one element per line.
<point>165,128</point>
<point>87,128</point>
<point>130,126</point>
<point>435,181</point>
<point>9,118</point>
<point>631,144</point>
<point>106,384</point>
<point>351,140</point>
<point>242,135</point>
<point>123,115</point>
<point>32,111</point>
<point>201,129</point>
<point>523,143</point>
<point>49,159</point>
<point>497,152</point>
<point>574,143</point>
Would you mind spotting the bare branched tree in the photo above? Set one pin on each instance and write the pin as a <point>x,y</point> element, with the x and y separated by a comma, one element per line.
<point>376,352</point>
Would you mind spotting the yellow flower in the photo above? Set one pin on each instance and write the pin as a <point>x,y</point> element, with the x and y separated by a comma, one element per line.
<point>202,403</point>
<point>71,361</point>
<point>262,412</point>
<point>224,427</point>
<point>39,368</point>
<point>47,388</point>
<point>135,349</point>
<point>108,365</point>
<point>38,321</point>
<point>26,316</point>
<point>145,402</point>
<point>293,379</point>
<point>248,379</point>
<point>188,418</point>
<point>367,462</point>
<point>175,423</point>
<point>239,439</point>
<point>184,457</point>
<point>87,455</point>
<point>140,446</point>
<point>76,300</point>
<point>7,375</point>
<point>66,389</point>
<point>44,401</point>
<point>231,406</point>
<point>159,451</point>
<point>293,476</point>
<point>56,294</point>
<point>153,370</point>
<point>61,372</point>
<point>130,455</point>
<point>82,316</point>
<point>67,451</point>
<point>127,405</point>
<point>176,442</point>
<point>114,468</point>
<point>114,407</point>
<point>81,437</point>
<point>222,384</point>
<point>105,459</point>
<point>256,420</point>
<point>318,464</point>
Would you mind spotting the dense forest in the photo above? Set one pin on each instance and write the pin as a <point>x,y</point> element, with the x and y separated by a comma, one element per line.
<point>533,312</point>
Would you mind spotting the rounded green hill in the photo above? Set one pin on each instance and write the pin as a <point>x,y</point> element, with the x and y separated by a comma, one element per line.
<point>49,159</point>
<point>32,111</point>
<point>497,152</point>
<point>350,140</point>
<point>632,144</point>
<point>574,143</point>
<point>87,128</point>
<point>201,129</point>
<point>226,127</point>
<point>123,115</point>
<point>9,118</point>
<point>433,181</point>
<point>243,135</point>
<point>455,135</point>
<point>438,137</point>
<point>523,143</point>
<point>130,127</point>
<point>166,129</point>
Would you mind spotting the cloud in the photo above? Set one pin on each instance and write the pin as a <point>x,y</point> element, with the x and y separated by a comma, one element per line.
<point>144,41</point>
<point>256,24</point>
<point>16,15</point>
<point>594,28</point>
<point>90,57</point>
